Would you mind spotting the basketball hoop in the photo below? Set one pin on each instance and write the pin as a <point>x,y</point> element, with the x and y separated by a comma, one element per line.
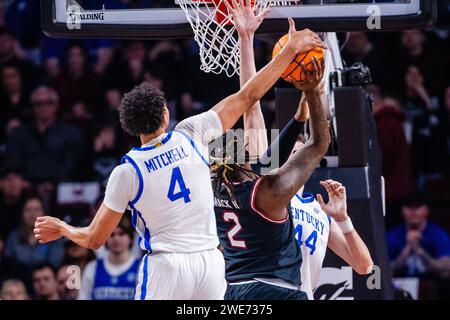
<point>215,33</point>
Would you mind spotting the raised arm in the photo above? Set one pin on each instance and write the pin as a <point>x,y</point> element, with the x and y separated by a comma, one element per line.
<point>277,189</point>
<point>247,22</point>
<point>233,107</point>
<point>344,240</point>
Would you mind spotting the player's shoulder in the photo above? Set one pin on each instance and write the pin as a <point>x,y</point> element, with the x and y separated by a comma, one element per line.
<point>123,170</point>
<point>206,125</point>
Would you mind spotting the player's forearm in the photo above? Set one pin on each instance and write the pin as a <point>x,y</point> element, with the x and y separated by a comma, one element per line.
<point>254,126</point>
<point>231,109</point>
<point>319,125</point>
<point>248,66</point>
<point>294,174</point>
<point>361,260</point>
<point>83,237</point>
<point>259,84</point>
<point>255,132</point>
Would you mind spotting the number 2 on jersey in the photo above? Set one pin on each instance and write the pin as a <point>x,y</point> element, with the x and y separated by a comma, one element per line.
<point>177,179</point>
<point>231,216</point>
<point>310,242</point>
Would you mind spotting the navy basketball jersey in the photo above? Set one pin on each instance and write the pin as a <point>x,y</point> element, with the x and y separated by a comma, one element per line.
<point>254,245</point>
<point>108,287</point>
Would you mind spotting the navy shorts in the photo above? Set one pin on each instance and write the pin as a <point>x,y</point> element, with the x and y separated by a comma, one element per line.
<point>262,291</point>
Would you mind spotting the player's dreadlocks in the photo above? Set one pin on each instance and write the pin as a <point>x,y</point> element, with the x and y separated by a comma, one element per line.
<point>227,167</point>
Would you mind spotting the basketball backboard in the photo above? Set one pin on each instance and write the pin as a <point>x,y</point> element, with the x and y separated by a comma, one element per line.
<point>155,19</point>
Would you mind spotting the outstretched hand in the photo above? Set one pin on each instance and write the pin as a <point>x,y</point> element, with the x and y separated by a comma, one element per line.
<point>245,18</point>
<point>337,203</point>
<point>303,41</point>
<point>313,77</point>
<point>47,229</point>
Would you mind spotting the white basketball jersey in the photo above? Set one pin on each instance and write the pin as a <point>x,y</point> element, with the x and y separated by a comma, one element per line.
<point>312,227</point>
<point>174,208</point>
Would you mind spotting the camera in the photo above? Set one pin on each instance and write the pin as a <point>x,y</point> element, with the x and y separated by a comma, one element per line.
<point>357,75</point>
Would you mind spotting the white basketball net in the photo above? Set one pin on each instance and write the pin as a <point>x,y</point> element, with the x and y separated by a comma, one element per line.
<point>217,38</point>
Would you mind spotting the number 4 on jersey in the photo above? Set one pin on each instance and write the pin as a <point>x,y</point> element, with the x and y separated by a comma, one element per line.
<point>310,242</point>
<point>177,179</point>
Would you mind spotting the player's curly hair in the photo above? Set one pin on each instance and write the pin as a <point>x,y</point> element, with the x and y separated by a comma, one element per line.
<point>142,110</point>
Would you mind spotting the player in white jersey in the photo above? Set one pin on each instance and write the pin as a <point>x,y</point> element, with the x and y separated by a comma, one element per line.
<point>321,225</point>
<point>166,184</point>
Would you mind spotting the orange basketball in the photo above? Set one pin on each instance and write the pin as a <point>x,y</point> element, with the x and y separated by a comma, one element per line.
<point>295,70</point>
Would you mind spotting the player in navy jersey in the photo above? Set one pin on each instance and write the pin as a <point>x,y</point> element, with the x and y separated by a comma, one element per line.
<point>254,226</point>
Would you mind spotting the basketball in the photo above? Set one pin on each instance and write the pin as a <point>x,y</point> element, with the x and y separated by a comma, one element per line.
<point>295,70</point>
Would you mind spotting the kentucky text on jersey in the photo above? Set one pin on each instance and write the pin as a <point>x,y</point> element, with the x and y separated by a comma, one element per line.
<point>166,158</point>
<point>114,293</point>
<point>305,216</point>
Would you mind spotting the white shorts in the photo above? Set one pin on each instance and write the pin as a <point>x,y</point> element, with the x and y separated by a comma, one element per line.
<point>182,276</point>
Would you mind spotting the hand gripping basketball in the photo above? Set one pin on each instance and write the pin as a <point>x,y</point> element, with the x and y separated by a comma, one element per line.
<point>313,77</point>
<point>303,41</point>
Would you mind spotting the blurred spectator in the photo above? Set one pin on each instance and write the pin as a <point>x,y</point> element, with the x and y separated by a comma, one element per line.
<point>11,52</point>
<point>12,199</point>
<point>127,69</point>
<point>13,289</point>
<point>64,282</point>
<point>415,51</point>
<point>14,98</point>
<point>22,248</point>
<point>418,100</point>
<point>106,154</point>
<point>396,157</point>
<point>164,63</point>
<point>7,270</point>
<point>428,128</point>
<point>359,48</point>
<point>113,277</point>
<point>23,18</point>
<point>189,107</point>
<point>47,150</point>
<point>45,283</point>
<point>77,83</point>
<point>76,255</point>
<point>2,13</point>
<point>100,54</point>
<point>446,116</point>
<point>419,247</point>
